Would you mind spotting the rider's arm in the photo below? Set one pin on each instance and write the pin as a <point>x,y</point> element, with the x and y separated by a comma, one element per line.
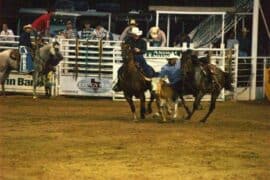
<point>163,72</point>
<point>163,39</point>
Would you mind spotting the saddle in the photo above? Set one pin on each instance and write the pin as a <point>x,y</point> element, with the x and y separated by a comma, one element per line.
<point>151,72</point>
<point>211,71</point>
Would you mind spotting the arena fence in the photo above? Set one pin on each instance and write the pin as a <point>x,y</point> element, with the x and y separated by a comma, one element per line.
<point>90,68</point>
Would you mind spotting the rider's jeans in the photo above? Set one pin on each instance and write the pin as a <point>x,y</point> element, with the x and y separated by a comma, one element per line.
<point>26,64</point>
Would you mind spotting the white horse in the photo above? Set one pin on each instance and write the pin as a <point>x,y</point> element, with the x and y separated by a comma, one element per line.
<point>9,60</point>
<point>45,59</point>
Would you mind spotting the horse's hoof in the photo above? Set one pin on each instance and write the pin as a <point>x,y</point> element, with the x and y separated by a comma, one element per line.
<point>156,115</point>
<point>34,97</point>
<point>200,107</point>
<point>203,121</point>
<point>135,120</point>
<point>162,121</point>
<point>187,118</point>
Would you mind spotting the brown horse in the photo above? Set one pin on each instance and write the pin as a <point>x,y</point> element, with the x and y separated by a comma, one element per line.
<point>199,81</point>
<point>133,82</point>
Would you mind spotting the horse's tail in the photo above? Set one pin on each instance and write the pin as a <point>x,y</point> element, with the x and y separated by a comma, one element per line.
<point>228,80</point>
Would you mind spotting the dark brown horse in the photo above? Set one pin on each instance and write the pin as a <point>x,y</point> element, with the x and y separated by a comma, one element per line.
<point>199,81</point>
<point>133,82</point>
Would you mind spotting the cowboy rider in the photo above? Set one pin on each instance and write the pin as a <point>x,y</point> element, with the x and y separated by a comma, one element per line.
<point>26,48</point>
<point>138,46</point>
<point>172,71</point>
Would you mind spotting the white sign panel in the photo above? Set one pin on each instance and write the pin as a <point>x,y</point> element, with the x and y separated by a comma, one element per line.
<point>86,86</point>
<point>20,83</point>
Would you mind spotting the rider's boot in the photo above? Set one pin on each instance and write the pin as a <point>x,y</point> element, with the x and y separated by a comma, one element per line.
<point>117,87</point>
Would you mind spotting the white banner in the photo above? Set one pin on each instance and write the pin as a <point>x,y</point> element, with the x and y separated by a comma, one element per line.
<point>21,83</point>
<point>86,86</point>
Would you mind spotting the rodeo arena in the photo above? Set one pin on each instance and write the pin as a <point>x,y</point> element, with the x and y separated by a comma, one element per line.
<point>146,90</point>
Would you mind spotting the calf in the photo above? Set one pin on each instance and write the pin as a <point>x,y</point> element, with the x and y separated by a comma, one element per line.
<point>165,97</point>
<point>9,60</point>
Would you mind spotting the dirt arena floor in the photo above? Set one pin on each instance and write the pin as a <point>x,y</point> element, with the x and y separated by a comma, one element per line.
<point>78,138</point>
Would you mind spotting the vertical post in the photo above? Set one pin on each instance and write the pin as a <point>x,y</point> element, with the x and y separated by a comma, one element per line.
<point>236,51</point>
<point>235,25</point>
<point>109,23</point>
<point>157,18</point>
<point>222,28</point>
<point>168,30</point>
<point>254,46</point>
<point>264,74</point>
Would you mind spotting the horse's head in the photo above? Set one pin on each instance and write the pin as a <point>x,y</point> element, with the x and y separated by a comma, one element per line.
<point>55,54</point>
<point>55,51</point>
<point>126,52</point>
<point>187,62</point>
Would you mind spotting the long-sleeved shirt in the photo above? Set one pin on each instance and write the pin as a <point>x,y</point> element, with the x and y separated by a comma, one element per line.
<point>173,72</point>
<point>42,23</point>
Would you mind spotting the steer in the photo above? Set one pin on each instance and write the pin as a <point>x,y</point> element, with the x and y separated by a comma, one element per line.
<point>165,97</point>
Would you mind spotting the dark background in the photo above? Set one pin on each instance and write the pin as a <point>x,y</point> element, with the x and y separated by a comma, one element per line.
<point>9,8</point>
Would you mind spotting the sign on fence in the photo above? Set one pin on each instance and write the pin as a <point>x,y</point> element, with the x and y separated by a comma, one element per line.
<point>20,83</point>
<point>86,86</point>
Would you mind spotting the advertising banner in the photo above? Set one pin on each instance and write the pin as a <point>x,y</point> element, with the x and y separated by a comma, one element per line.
<point>86,86</point>
<point>20,83</point>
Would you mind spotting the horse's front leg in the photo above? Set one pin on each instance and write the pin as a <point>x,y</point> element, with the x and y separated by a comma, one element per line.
<point>131,105</point>
<point>142,111</point>
<point>35,83</point>
<point>47,86</point>
<point>212,106</point>
<point>186,107</point>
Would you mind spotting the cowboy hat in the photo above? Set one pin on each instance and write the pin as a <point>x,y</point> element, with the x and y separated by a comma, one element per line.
<point>154,32</point>
<point>136,31</point>
<point>27,26</point>
<point>132,22</point>
<point>172,56</point>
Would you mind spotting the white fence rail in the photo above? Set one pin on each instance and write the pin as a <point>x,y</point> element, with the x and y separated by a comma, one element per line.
<point>90,68</point>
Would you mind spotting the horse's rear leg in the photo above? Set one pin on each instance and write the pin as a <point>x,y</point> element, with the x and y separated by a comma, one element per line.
<point>132,106</point>
<point>35,83</point>
<point>186,108</point>
<point>3,88</point>
<point>211,107</point>
<point>142,111</point>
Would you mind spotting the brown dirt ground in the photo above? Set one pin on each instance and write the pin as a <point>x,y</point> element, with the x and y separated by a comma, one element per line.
<point>82,138</point>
